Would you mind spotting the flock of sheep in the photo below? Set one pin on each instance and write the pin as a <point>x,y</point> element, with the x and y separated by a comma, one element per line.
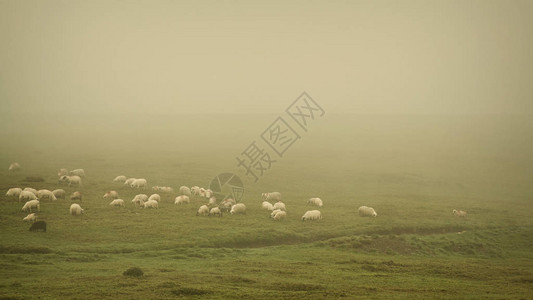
<point>271,201</point>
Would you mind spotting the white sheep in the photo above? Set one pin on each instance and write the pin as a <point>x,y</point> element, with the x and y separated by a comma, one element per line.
<point>59,193</point>
<point>279,205</point>
<point>129,181</point>
<point>14,192</point>
<point>315,201</point>
<point>139,183</point>
<point>29,189</point>
<point>14,167</point>
<point>203,211</point>
<point>155,197</point>
<point>274,212</point>
<point>142,197</point>
<point>46,194</point>
<point>76,210</point>
<point>212,201</point>
<point>117,202</point>
<point>226,205</point>
<point>459,213</point>
<point>267,205</point>
<point>238,208</point>
<point>280,215</point>
<point>183,199</point>
<point>208,193</point>
<point>137,201</point>
<point>120,178</point>
<point>71,180</point>
<point>31,204</point>
<point>365,211</point>
<point>312,215</point>
<point>185,191</point>
<point>75,196</point>
<point>111,195</point>
<point>215,211</point>
<point>167,189</point>
<point>195,190</point>
<point>151,204</point>
<point>30,218</point>
<point>271,196</point>
<point>230,200</point>
<point>27,195</point>
<point>62,172</point>
<point>77,172</point>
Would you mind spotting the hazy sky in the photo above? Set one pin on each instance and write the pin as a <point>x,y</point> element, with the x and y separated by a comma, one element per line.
<point>257,56</point>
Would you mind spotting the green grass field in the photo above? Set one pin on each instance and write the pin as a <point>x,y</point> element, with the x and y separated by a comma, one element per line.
<point>412,169</point>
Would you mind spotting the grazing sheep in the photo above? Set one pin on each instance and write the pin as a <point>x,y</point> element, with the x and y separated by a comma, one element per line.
<point>77,172</point>
<point>226,206</point>
<point>39,225</point>
<point>215,211</point>
<point>151,204</point>
<point>59,193</point>
<point>31,204</point>
<point>117,202</point>
<point>274,212</point>
<point>111,195</point>
<point>62,172</point>
<point>365,211</point>
<point>185,191</point>
<point>208,193</point>
<point>312,215</point>
<point>32,190</point>
<point>30,218</point>
<point>46,194</point>
<point>230,200</point>
<point>315,201</point>
<point>138,201</point>
<point>183,199</point>
<point>71,180</point>
<point>212,201</point>
<point>120,178</point>
<point>166,189</point>
<point>129,181</point>
<point>14,192</point>
<point>155,197</point>
<point>142,197</point>
<point>280,215</point>
<point>75,196</point>
<point>279,205</point>
<point>203,211</point>
<point>27,195</point>
<point>267,205</point>
<point>139,183</point>
<point>459,213</point>
<point>195,190</point>
<point>271,196</point>
<point>239,208</point>
<point>76,210</point>
<point>14,167</point>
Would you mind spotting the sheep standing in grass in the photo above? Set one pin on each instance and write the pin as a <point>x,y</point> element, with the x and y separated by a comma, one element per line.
<point>271,196</point>
<point>120,178</point>
<point>77,172</point>
<point>139,183</point>
<point>195,190</point>
<point>280,215</point>
<point>32,190</point>
<point>267,205</point>
<point>14,167</point>
<point>203,211</point>
<point>27,195</point>
<point>46,194</point>
<point>365,211</point>
<point>151,204</point>
<point>238,208</point>
<point>76,210</point>
<point>226,206</point>
<point>312,215</point>
<point>75,196</point>
<point>31,204</point>
<point>155,197</point>
<point>111,195</point>
<point>279,205</point>
<point>315,201</point>
<point>117,202</point>
<point>137,202</point>
<point>30,218</point>
<point>59,193</point>
<point>208,193</point>
<point>129,181</point>
<point>185,191</point>
<point>459,213</point>
<point>274,212</point>
<point>183,199</point>
<point>215,211</point>
<point>71,180</point>
<point>62,172</point>
<point>14,192</point>
<point>212,201</point>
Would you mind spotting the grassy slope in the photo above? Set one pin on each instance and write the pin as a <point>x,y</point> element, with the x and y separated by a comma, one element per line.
<point>414,172</point>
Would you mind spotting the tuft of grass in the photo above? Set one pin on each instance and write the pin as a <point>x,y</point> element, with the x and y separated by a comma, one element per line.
<point>133,272</point>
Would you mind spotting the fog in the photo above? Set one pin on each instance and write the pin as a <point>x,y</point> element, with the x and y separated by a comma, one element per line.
<point>183,57</point>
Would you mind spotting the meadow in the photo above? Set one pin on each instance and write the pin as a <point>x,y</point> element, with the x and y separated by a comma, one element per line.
<point>413,169</point>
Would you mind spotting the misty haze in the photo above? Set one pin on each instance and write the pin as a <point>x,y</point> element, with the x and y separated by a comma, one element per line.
<point>415,131</point>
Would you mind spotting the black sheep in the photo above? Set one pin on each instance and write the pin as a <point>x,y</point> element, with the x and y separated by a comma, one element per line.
<point>39,225</point>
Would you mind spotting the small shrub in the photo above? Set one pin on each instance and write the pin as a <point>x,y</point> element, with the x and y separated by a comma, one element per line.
<point>133,272</point>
